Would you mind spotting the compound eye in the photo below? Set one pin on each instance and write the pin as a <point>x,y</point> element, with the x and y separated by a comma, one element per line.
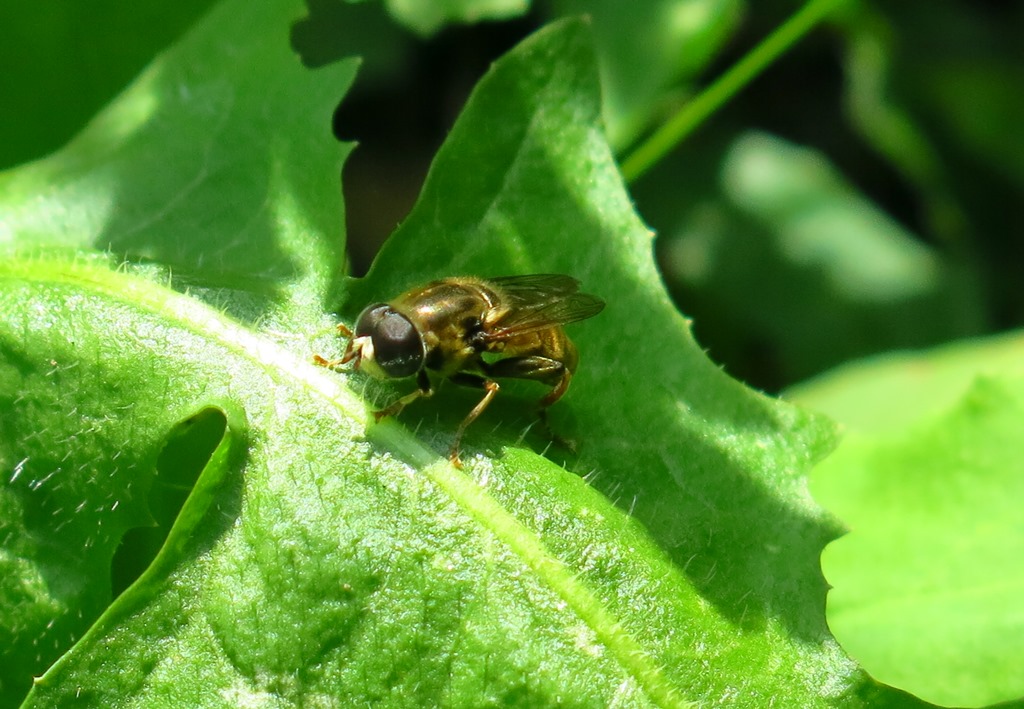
<point>397,346</point>
<point>370,318</point>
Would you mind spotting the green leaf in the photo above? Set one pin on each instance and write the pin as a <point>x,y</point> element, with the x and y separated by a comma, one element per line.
<point>947,119</point>
<point>426,18</point>
<point>319,557</point>
<point>82,431</point>
<point>60,62</point>
<point>792,259</point>
<point>993,87</point>
<point>192,169</point>
<point>896,391</point>
<point>647,50</point>
<point>921,480</point>
<point>879,112</point>
<point>928,586</point>
<point>711,469</point>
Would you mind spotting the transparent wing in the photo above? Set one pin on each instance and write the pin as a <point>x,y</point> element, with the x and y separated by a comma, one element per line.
<point>539,287</point>
<point>538,302</point>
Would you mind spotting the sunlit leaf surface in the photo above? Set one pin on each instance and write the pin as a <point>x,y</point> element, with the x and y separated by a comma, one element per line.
<point>320,558</point>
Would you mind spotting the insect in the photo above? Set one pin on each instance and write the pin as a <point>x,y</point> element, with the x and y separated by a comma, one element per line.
<point>472,331</point>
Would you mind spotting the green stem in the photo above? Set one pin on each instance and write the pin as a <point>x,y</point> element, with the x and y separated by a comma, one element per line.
<point>690,116</point>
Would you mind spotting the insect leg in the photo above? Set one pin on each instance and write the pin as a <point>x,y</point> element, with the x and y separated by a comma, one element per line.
<point>469,380</point>
<point>538,368</point>
<point>329,363</point>
<point>344,331</point>
<point>543,369</point>
<point>425,389</point>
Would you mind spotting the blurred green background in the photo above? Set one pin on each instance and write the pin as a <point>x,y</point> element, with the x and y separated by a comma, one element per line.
<point>862,195</point>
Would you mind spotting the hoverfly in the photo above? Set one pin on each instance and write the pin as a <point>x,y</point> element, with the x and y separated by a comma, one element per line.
<point>447,327</point>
